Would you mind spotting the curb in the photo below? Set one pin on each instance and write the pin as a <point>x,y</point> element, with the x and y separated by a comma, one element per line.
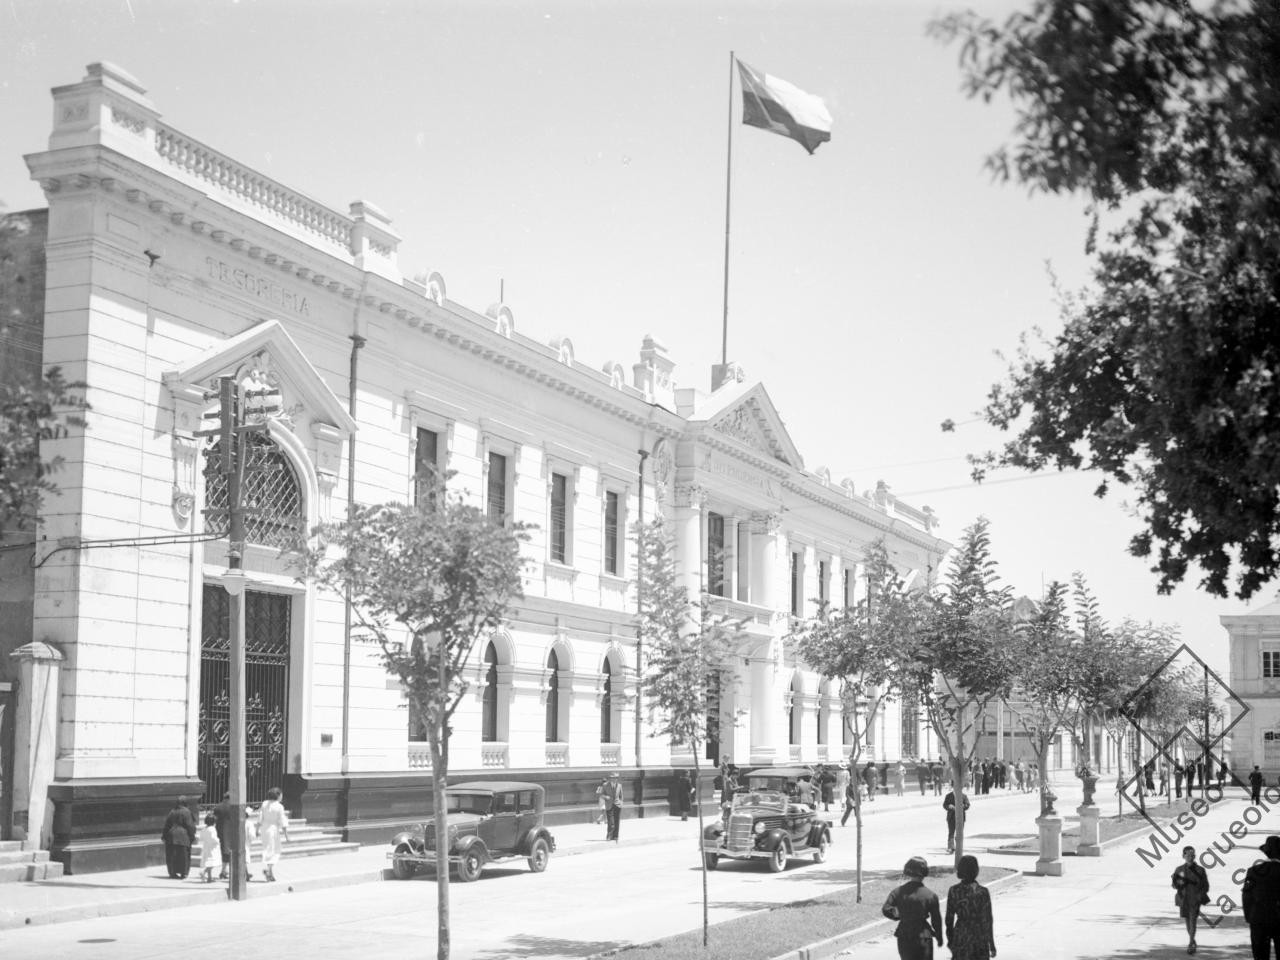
<point>842,941</point>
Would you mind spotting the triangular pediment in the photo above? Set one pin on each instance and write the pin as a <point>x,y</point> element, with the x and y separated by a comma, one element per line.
<point>264,354</point>
<point>743,412</point>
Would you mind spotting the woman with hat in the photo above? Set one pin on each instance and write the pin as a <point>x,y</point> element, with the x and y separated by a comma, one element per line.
<point>917,911</point>
<point>1192,884</point>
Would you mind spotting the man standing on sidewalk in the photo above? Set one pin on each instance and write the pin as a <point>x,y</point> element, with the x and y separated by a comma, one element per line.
<point>613,805</point>
<point>949,804</point>
<point>1255,785</point>
<point>1261,893</point>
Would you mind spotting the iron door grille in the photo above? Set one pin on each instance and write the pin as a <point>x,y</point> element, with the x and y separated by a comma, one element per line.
<point>267,631</point>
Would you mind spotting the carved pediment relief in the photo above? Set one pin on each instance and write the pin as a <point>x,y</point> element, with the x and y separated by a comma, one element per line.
<point>744,424</point>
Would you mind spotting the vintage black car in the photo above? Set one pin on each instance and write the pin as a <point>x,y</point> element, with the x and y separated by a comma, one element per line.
<point>769,825</point>
<point>487,821</point>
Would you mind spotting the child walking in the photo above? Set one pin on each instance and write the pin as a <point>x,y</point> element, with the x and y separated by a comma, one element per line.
<point>210,849</point>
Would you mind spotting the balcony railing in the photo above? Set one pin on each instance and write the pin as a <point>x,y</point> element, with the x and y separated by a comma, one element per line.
<point>557,754</point>
<point>493,755</point>
<point>610,755</point>
<point>419,756</point>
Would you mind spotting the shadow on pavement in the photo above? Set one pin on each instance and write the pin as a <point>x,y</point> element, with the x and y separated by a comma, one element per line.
<point>526,946</point>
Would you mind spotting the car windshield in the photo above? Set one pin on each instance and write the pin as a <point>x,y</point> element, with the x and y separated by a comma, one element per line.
<point>477,803</point>
<point>761,798</point>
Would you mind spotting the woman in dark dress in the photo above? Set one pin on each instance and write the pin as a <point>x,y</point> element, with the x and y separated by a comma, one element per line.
<point>969,930</point>
<point>1192,884</point>
<point>178,834</point>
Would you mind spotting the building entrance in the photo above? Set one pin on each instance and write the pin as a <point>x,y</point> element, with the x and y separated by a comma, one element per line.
<point>267,632</point>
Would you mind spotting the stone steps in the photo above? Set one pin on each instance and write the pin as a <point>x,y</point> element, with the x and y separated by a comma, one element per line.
<point>302,841</point>
<point>17,864</point>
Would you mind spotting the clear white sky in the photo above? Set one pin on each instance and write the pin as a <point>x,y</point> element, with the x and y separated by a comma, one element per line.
<point>575,151</point>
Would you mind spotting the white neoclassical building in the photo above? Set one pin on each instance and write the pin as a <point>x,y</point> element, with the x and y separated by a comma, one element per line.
<point>1254,677</point>
<point>166,265</point>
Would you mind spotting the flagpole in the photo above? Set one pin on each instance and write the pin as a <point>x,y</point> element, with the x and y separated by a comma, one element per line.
<point>728,183</point>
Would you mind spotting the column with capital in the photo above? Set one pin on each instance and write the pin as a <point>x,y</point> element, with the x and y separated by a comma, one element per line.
<point>767,716</point>
<point>688,530</point>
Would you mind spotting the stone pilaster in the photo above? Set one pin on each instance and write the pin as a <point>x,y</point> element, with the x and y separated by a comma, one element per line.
<point>36,743</point>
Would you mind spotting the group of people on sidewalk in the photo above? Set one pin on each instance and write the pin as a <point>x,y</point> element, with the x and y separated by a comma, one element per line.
<point>180,832</point>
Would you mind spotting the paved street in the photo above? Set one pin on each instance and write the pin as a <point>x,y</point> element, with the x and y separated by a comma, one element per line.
<point>1119,905</point>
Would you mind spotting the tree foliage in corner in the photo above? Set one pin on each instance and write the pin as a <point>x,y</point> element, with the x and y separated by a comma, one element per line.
<point>1166,115</point>
<point>32,413</point>
<point>688,660</point>
<point>425,586</point>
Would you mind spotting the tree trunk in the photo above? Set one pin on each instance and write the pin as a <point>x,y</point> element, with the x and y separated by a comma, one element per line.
<point>439,776</point>
<point>702,859</point>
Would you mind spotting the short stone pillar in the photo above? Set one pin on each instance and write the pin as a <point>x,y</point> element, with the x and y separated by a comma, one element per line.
<point>1089,837</point>
<point>35,743</point>
<point>1050,862</point>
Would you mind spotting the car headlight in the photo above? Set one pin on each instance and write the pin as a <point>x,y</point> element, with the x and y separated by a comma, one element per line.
<point>759,828</point>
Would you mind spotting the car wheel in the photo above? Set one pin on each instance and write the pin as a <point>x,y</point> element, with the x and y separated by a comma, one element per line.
<point>402,868</point>
<point>539,856</point>
<point>778,859</point>
<point>471,865</point>
<point>820,851</point>
<point>710,860</point>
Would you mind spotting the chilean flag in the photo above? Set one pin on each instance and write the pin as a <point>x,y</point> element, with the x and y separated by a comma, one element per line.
<point>773,104</point>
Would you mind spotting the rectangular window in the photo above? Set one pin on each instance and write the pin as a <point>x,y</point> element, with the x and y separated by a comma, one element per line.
<point>417,723</point>
<point>612,540</point>
<point>797,583</point>
<point>559,518</point>
<point>715,555</point>
<point>1270,660</point>
<point>846,586</point>
<point>496,489</point>
<point>1271,749</point>
<point>744,562</point>
<point>425,468</point>
<point>822,581</point>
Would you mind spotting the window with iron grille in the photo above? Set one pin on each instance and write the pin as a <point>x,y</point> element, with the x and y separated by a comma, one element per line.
<point>559,518</point>
<point>489,707</point>
<point>715,555</point>
<point>270,494</point>
<point>553,698</point>
<point>426,466</point>
<point>822,581</point>
<point>910,729</point>
<point>846,583</point>
<point>797,580</point>
<point>497,488</point>
<point>612,542</point>
<point>606,706</point>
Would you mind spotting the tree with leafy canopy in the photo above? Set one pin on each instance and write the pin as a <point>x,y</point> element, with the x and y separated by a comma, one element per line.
<point>688,649</point>
<point>1163,114</point>
<point>958,654</point>
<point>426,585</point>
<point>857,647</point>
<point>34,408</point>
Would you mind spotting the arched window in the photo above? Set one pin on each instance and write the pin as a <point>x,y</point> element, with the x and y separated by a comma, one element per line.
<point>270,492</point>
<point>489,723</point>
<point>553,699</point>
<point>606,706</point>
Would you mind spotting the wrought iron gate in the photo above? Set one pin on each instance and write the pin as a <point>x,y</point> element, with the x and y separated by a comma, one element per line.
<point>266,628</point>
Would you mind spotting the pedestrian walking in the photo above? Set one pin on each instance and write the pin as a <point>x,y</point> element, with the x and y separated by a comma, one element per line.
<point>1256,780</point>
<point>1164,780</point>
<point>684,794</point>
<point>850,800</point>
<point>922,775</point>
<point>827,784</point>
<point>1261,893</point>
<point>805,792</point>
<point>1019,775</point>
<point>601,806</point>
<point>273,825</point>
<point>178,834</point>
<point>871,779</point>
<point>613,799</point>
<point>949,804</point>
<point>224,818</point>
<point>1192,885</point>
<point>918,912</point>
<point>899,778</point>
<point>935,774</point>
<point>1222,774</point>
<point>970,933</point>
<point>1190,773</point>
<point>1148,776</point>
<point>1178,774</point>
<point>250,835</point>
<point>210,849</point>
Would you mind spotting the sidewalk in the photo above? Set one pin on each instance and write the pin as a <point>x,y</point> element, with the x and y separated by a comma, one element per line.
<point>149,888</point>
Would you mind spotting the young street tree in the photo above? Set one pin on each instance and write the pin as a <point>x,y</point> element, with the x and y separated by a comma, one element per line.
<point>425,585</point>
<point>1165,378</point>
<point>858,647</point>
<point>688,652</point>
<point>960,655</point>
<point>33,412</point>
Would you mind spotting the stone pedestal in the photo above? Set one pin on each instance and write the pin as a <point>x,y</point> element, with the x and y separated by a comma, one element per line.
<point>1089,845</point>
<point>36,743</point>
<point>1050,862</point>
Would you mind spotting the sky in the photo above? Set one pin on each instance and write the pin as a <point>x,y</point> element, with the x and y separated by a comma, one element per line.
<point>572,157</point>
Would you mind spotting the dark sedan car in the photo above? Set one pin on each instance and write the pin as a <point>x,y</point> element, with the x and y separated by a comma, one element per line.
<point>766,825</point>
<point>487,822</point>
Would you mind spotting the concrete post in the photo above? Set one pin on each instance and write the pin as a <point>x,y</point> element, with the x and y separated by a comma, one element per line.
<point>1089,837</point>
<point>1050,862</point>
<point>35,743</point>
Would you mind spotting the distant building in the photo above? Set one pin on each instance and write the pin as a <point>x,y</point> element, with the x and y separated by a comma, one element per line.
<point>170,264</point>
<point>1254,677</point>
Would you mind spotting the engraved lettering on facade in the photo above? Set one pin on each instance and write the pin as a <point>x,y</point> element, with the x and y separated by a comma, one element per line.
<point>260,287</point>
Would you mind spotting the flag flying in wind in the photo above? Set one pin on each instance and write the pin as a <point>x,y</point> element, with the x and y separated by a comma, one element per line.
<point>773,104</point>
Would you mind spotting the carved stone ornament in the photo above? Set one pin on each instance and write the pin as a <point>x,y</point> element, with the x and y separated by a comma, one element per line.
<point>770,523</point>
<point>690,495</point>
<point>663,466</point>
<point>740,423</point>
<point>186,452</point>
